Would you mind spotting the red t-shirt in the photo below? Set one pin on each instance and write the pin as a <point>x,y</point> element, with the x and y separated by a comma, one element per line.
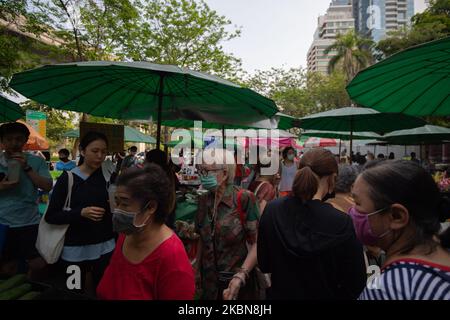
<point>165,274</point>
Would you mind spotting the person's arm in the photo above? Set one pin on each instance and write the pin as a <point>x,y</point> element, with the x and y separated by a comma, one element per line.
<point>251,230</point>
<point>42,178</point>
<point>55,213</point>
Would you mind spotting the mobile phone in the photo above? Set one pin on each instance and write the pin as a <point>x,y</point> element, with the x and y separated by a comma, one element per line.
<point>2,176</point>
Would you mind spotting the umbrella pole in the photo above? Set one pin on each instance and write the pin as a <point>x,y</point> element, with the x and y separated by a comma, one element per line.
<point>160,102</point>
<point>340,145</point>
<point>223,137</point>
<point>351,139</point>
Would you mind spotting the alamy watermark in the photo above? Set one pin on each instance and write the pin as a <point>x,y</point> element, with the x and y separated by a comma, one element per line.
<point>253,147</point>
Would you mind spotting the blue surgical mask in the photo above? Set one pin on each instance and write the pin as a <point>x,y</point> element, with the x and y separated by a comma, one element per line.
<point>291,157</point>
<point>209,182</point>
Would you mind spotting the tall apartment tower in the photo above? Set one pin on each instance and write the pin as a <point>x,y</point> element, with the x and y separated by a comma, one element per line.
<point>337,20</point>
<point>376,18</point>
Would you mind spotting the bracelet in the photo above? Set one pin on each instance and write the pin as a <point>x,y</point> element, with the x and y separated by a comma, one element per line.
<point>245,272</point>
<point>237,276</point>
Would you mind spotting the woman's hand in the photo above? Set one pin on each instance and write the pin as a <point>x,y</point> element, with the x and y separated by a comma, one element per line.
<point>232,292</point>
<point>93,213</point>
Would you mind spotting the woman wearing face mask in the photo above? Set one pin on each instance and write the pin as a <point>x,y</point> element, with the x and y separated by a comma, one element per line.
<point>397,208</point>
<point>150,261</point>
<point>89,240</point>
<point>309,247</point>
<point>288,169</point>
<point>227,221</point>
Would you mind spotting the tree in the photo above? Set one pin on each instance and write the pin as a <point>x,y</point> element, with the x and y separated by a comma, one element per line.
<point>58,121</point>
<point>432,24</point>
<point>352,51</point>
<point>186,33</point>
<point>18,53</point>
<point>299,92</point>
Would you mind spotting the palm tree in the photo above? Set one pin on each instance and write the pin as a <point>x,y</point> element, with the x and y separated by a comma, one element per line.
<point>353,50</point>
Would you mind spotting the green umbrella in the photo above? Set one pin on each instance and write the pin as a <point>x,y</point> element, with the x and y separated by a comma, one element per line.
<point>424,135</point>
<point>344,135</point>
<point>142,90</point>
<point>130,135</point>
<point>279,121</point>
<point>354,119</point>
<point>9,110</point>
<point>415,81</point>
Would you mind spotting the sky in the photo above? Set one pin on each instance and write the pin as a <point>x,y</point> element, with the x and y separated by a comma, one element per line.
<point>275,33</point>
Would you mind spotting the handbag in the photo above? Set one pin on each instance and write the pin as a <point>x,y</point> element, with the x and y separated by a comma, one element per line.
<point>50,239</point>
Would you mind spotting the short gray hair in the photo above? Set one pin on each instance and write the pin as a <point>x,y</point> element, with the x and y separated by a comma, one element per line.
<point>346,177</point>
<point>229,167</point>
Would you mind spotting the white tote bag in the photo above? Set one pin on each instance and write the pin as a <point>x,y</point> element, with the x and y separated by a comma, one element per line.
<point>50,240</point>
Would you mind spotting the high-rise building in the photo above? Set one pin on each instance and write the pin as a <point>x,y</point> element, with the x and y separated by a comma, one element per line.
<point>337,20</point>
<point>375,18</point>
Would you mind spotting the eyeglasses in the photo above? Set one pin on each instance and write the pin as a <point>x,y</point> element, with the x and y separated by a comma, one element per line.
<point>205,173</point>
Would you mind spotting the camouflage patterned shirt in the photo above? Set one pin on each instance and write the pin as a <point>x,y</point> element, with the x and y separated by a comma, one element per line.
<point>230,236</point>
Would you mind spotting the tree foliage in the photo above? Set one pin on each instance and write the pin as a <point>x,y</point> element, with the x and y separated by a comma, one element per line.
<point>353,53</point>
<point>299,92</point>
<point>432,24</point>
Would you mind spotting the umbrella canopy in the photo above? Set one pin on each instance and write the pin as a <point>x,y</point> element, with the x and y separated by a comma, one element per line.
<point>341,135</point>
<point>9,110</point>
<point>35,141</point>
<point>279,121</point>
<point>130,135</point>
<point>424,135</point>
<point>141,90</point>
<point>320,142</point>
<point>415,81</point>
<point>360,119</point>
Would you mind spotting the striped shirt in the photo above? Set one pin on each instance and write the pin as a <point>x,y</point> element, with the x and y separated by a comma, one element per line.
<point>409,279</point>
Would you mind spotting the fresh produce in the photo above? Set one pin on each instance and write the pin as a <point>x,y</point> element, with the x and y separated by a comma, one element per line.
<point>16,292</point>
<point>13,282</point>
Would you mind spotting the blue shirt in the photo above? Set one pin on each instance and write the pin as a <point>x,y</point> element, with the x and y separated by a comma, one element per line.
<point>19,205</point>
<point>65,166</point>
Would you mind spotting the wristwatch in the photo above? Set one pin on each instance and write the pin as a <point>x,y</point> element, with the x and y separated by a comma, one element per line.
<point>27,168</point>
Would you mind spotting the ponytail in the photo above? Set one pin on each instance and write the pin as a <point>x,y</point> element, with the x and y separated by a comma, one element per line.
<point>305,184</point>
<point>314,165</point>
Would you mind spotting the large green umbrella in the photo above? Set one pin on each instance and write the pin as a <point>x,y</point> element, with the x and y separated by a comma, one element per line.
<point>9,110</point>
<point>424,135</point>
<point>352,119</point>
<point>142,90</point>
<point>130,135</point>
<point>415,81</point>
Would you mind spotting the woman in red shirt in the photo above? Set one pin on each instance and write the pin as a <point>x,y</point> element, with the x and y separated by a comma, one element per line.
<point>149,261</point>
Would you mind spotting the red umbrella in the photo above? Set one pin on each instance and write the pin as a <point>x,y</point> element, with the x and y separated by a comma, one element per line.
<point>35,141</point>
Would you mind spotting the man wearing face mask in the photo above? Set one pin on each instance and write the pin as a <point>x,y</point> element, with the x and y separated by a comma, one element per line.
<point>308,246</point>
<point>64,164</point>
<point>227,221</point>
